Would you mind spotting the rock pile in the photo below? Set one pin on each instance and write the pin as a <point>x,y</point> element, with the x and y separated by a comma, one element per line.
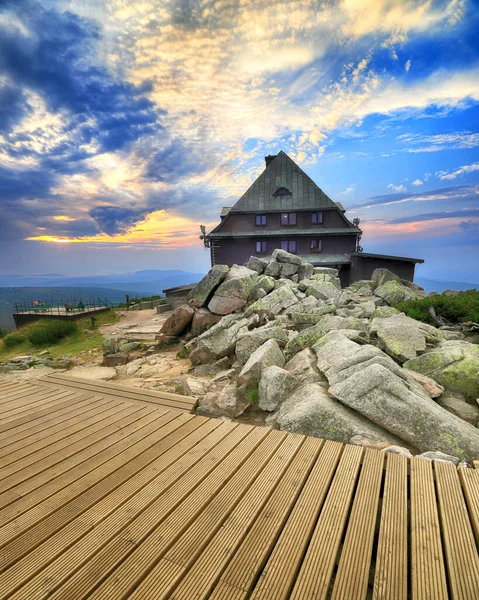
<point>343,364</point>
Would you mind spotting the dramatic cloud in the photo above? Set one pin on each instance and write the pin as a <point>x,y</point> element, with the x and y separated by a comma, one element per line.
<point>461,171</point>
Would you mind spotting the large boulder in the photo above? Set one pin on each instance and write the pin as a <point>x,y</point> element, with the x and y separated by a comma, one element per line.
<point>234,292</point>
<point>256,264</point>
<point>251,341</point>
<point>203,290</point>
<point>453,364</point>
<point>405,410</point>
<point>203,320</point>
<point>285,257</point>
<point>382,276</point>
<point>303,367</point>
<point>263,286</point>
<point>305,271</point>
<point>217,342</point>
<point>230,401</point>
<point>328,270</point>
<point>273,269</point>
<point>311,317</point>
<point>276,301</point>
<point>431,387</point>
<point>394,292</point>
<point>265,356</point>
<point>310,410</point>
<point>323,290</point>
<point>404,338</point>
<point>178,321</point>
<point>455,404</point>
<point>308,337</point>
<point>275,386</point>
<point>288,269</point>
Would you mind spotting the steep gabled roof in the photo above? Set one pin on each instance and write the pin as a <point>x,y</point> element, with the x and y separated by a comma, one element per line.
<point>282,172</point>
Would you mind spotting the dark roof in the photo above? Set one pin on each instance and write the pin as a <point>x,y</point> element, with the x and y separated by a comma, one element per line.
<point>283,172</point>
<point>286,232</point>
<point>387,257</point>
<point>225,210</point>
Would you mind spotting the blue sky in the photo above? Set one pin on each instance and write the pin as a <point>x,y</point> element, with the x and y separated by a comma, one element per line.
<point>124,125</point>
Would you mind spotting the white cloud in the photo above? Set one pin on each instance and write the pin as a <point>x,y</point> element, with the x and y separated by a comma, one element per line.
<point>465,169</point>
<point>407,66</point>
<point>396,188</point>
<point>417,182</point>
<point>348,190</point>
<point>460,140</point>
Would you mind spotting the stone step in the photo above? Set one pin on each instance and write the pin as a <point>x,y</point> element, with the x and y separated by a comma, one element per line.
<point>161,308</point>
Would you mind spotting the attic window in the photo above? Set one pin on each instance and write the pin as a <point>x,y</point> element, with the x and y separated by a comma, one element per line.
<point>282,191</point>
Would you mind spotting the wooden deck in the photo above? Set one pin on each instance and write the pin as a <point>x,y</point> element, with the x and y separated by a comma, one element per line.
<point>107,496</point>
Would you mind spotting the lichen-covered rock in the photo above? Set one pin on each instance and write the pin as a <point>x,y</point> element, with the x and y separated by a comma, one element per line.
<point>263,286</point>
<point>360,440</point>
<point>265,356</point>
<point>203,290</point>
<point>217,342</point>
<point>305,271</point>
<point>382,276</point>
<point>234,292</point>
<point>110,345</point>
<point>276,301</point>
<point>288,269</point>
<point>311,317</point>
<point>383,312</point>
<point>323,290</point>
<point>303,367</point>
<point>455,404</point>
<point>203,320</point>
<point>364,310</point>
<point>404,338</point>
<point>363,286</point>
<point>190,386</point>
<point>178,321</point>
<point>273,269</point>
<point>275,386</point>
<point>394,292</point>
<point>387,400</point>
<point>310,410</point>
<point>307,338</point>
<point>285,257</point>
<point>256,264</point>
<point>327,278</point>
<point>115,360</point>
<point>328,270</point>
<point>431,387</point>
<point>251,341</point>
<point>453,364</point>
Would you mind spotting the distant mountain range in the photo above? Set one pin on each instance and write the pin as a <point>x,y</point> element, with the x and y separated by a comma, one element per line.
<point>58,288</point>
<point>432,285</point>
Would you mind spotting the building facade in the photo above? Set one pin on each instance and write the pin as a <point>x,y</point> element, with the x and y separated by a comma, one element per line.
<point>285,209</point>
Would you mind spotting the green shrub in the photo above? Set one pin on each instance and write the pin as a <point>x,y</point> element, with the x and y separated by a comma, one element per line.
<point>47,333</point>
<point>13,339</point>
<point>464,306</point>
<point>3,333</point>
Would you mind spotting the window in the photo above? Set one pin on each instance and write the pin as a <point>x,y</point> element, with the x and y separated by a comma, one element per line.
<point>282,191</point>
<point>260,220</point>
<point>261,247</point>
<point>317,218</point>
<point>288,219</point>
<point>316,245</point>
<point>289,246</point>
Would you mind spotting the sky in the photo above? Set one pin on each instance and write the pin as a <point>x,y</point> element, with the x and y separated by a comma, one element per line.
<point>125,124</point>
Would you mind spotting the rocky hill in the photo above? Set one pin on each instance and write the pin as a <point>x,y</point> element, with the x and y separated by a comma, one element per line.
<point>283,339</point>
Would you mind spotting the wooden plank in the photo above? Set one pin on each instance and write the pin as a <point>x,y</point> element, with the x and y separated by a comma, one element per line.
<point>137,516</point>
<point>29,419</point>
<point>122,391</point>
<point>37,426</point>
<point>390,581</point>
<point>39,405</point>
<point>461,554</point>
<point>317,568</point>
<point>470,484</point>
<point>28,403</point>
<point>428,575</point>
<point>279,575</point>
<point>131,480</point>
<point>244,568</point>
<point>24,457</point>
<point>353,571</point>
<point>52,455</point>
<point>476,464</point>
<point>181,538</point>
<point>253,524</point>
<point>126,452</point>
<point>44,435</point>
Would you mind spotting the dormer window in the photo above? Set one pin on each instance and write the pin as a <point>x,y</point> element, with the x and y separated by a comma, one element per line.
<point>282,191</point>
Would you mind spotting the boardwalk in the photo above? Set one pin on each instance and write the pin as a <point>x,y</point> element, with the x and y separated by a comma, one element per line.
<point>106,495</point>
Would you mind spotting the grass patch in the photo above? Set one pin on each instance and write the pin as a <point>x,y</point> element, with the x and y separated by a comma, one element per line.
<point>252,395</point>
<point>48,333</point>
<point>83,338</point>
<point>182,353</point>
<point>13,339</point>
<point>464,306</point>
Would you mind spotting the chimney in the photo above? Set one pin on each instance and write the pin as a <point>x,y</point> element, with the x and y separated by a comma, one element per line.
<point>269,159</point>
